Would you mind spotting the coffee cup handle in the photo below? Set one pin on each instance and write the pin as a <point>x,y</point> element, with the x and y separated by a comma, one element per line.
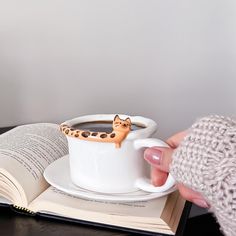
<point>145,183</point>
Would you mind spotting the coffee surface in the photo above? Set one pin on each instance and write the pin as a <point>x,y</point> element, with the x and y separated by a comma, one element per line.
<point>101,126</point>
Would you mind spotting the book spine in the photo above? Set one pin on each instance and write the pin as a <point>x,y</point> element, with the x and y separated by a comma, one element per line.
<point>22,210</point>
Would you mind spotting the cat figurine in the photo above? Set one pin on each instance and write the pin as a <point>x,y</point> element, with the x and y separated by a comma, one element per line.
<point>121,128</point>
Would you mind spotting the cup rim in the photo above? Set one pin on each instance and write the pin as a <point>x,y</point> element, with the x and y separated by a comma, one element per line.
<point>150,125</point>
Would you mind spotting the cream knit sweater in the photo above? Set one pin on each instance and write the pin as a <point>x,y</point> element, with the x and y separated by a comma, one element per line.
<point>206,162</point>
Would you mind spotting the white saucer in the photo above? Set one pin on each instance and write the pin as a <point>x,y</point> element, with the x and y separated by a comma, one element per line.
<point>57,174</point>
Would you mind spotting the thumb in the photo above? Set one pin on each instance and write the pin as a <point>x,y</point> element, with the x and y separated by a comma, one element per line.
<point>159,158</point>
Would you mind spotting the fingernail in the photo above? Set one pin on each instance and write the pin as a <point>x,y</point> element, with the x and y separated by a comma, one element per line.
<point>201,203</point>
<point>153,156</point>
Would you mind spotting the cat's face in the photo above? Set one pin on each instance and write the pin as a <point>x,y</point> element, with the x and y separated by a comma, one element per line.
<point>121,125</point>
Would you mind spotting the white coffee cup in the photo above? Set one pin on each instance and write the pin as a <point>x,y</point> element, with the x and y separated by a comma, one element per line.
<point>102,167</point>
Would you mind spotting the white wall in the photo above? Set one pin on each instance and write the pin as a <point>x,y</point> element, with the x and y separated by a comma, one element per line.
<point>172,61</point>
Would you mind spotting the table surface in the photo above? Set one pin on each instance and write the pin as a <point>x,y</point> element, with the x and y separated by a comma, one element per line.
<point>15,224</point>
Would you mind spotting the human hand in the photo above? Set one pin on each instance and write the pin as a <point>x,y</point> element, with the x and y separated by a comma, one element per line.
<point>160,160</point>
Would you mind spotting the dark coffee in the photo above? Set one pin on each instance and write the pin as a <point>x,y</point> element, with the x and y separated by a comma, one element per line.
<point>102,126</point>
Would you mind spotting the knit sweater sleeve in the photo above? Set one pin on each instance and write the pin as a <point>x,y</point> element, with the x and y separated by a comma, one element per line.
<point>206,162</point>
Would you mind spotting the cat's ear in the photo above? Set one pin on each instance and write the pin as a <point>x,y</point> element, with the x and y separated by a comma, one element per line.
<point>128,120</point>
<point>116,118</point>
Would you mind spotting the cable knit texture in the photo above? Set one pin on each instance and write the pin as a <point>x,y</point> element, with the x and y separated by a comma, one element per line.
<point>206,162</point>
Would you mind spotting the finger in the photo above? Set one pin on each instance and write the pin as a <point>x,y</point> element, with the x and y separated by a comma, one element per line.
<point>158,177</point>
<point>192,196</point>
<point>176,139</point>
<point>160,158</point>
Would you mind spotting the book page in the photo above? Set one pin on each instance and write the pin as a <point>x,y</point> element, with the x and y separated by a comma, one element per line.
<point>4,201</point>
<point>140,215</point>
<point>8,189</point>
<point>53,195</point>
<point>26,151</point>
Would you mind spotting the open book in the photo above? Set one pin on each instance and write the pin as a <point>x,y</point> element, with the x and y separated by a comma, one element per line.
<point>27,150</point>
